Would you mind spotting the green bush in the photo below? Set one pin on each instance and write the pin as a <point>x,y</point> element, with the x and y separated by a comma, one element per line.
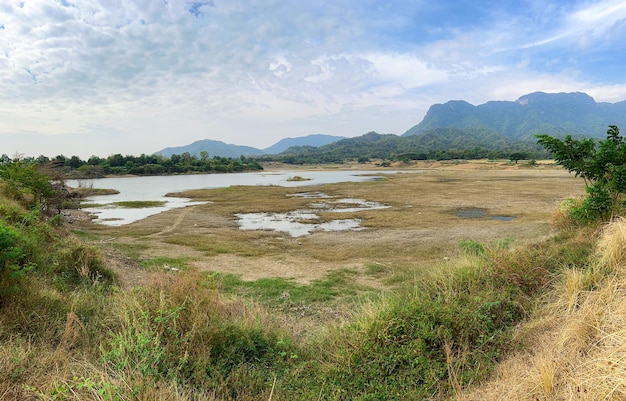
<point>74,263</point>
<point>182,331</point>
<point>603,167</point>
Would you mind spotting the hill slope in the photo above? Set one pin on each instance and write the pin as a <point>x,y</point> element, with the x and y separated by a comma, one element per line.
<point>214,148</point>
<point>221,149</point>
<point>314,140</point>
<point>439,143</point>
<point>554,114</point>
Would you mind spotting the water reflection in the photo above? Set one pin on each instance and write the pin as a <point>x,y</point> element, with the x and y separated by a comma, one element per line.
<point>156,188</point>
<point>112,215</point>
<point>304,222</point>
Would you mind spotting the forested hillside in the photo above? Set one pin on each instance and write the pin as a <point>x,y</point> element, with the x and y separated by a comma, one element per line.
<point>554,114</point>
<point>435,144</point>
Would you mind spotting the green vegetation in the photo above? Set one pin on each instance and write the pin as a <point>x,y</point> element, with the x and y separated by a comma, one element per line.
<point>603,168</point>
<point>435,144</point>
<point>139,204</point>
<point>94,167</point>
<point>555,114</point>
<point>298,178</point>
<point>67,332</point>
<point>281,293</point>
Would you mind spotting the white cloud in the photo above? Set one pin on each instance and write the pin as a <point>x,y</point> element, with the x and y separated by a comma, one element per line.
<point>405,70</point>
<point>165,72</point>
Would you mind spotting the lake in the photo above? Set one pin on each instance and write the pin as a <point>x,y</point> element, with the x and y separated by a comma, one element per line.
<point>154,188</point>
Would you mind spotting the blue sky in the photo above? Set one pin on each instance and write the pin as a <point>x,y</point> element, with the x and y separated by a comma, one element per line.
<point>97,77</point>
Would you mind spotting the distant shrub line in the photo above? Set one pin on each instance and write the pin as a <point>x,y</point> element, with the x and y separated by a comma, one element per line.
<point>75,167</point>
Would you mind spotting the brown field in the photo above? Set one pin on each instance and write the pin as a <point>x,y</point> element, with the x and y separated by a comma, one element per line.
<point>421,227</point>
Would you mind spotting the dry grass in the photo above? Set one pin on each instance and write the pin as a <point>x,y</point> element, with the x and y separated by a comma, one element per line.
<point>573,348</point>
<point>420,228</point>
<point>612,246</point>
<point>574,345</point>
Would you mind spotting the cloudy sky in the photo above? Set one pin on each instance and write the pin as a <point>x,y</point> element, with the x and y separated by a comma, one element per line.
<point>98,77</point>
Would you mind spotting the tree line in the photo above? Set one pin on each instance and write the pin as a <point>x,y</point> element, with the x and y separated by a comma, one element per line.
<point>117,164</point>
<point>436,144</point>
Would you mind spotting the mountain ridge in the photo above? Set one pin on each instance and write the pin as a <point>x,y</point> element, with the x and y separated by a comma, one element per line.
<point>557,114</point>
<point>222,149</point>
<point>452,129</point>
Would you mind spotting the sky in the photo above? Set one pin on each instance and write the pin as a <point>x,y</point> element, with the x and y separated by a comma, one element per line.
<point>100,77</point>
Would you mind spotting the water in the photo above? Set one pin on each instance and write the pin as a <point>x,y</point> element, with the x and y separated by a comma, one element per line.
<point>155,188</point>
<point>303,222</point>
<point>475,213</point>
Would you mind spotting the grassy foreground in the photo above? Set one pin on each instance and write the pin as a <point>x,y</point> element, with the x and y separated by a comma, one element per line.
<point>539,321</point>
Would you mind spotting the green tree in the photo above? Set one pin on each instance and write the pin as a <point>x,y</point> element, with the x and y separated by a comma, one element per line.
<point>517,156</point>
<point>602,165</point>
<point>24,183</point>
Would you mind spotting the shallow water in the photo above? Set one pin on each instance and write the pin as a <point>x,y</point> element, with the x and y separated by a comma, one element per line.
<point>156,187</point>
<point>306,221</point>
<point>476,213</point>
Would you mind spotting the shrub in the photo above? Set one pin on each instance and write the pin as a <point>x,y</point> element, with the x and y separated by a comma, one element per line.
<point>603,168</point>
<point>180,329</point>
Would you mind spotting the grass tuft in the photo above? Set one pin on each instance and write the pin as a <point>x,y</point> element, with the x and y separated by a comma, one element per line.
<point>611,248</point>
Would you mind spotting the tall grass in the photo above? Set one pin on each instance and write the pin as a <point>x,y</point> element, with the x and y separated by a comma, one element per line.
<point>68,332</point>
<point>449,330</point>
<point>574,341</point>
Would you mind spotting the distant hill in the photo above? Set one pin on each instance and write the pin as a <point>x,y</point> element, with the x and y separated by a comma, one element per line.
<point>213,148</point>
<point>438,143</point>
<point>555,114</point>
<point>314,140</point>
<point>221,149</point>
<point>455,129</point>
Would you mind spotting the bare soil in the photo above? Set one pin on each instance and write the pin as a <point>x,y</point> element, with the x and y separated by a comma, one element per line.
<point>420,228</point>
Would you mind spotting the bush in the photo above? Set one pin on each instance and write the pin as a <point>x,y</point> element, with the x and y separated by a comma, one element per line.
<point>603,168</point>
<point>180,329</point>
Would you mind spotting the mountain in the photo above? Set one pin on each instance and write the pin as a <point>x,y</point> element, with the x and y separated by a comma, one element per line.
<point>555,114</point>
<point>456,129</point>
<point>221,149</point>
<point>314,140</point>
<point>437,143</point>
<point>213,148</point>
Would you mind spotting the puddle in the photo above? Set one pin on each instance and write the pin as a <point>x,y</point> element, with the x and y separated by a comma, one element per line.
<point>113,215</point>
<point>476,213</point>
<point>304,222</point>
<point>310,195</point>
<point>503,218</point>
<point>471,213</point>
<point>349,205</point>
<point>291,223</point>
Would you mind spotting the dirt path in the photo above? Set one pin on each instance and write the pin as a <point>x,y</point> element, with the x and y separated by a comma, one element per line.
<point>179,219</point>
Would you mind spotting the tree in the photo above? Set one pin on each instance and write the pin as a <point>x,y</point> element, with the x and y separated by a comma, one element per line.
<point>601,165</point>
<point>25,183</point>
<point>517,156</point>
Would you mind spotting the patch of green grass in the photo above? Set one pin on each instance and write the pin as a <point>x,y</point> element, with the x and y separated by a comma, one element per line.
<point>276,292</point>
<point>139,204</point>
<point>166,263</point>
<point>85,235</point>
<point>377,269</point>
<point>125,204</point>
<point>298,178</point>
<point>214,245</point>
<point>132,251</point>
